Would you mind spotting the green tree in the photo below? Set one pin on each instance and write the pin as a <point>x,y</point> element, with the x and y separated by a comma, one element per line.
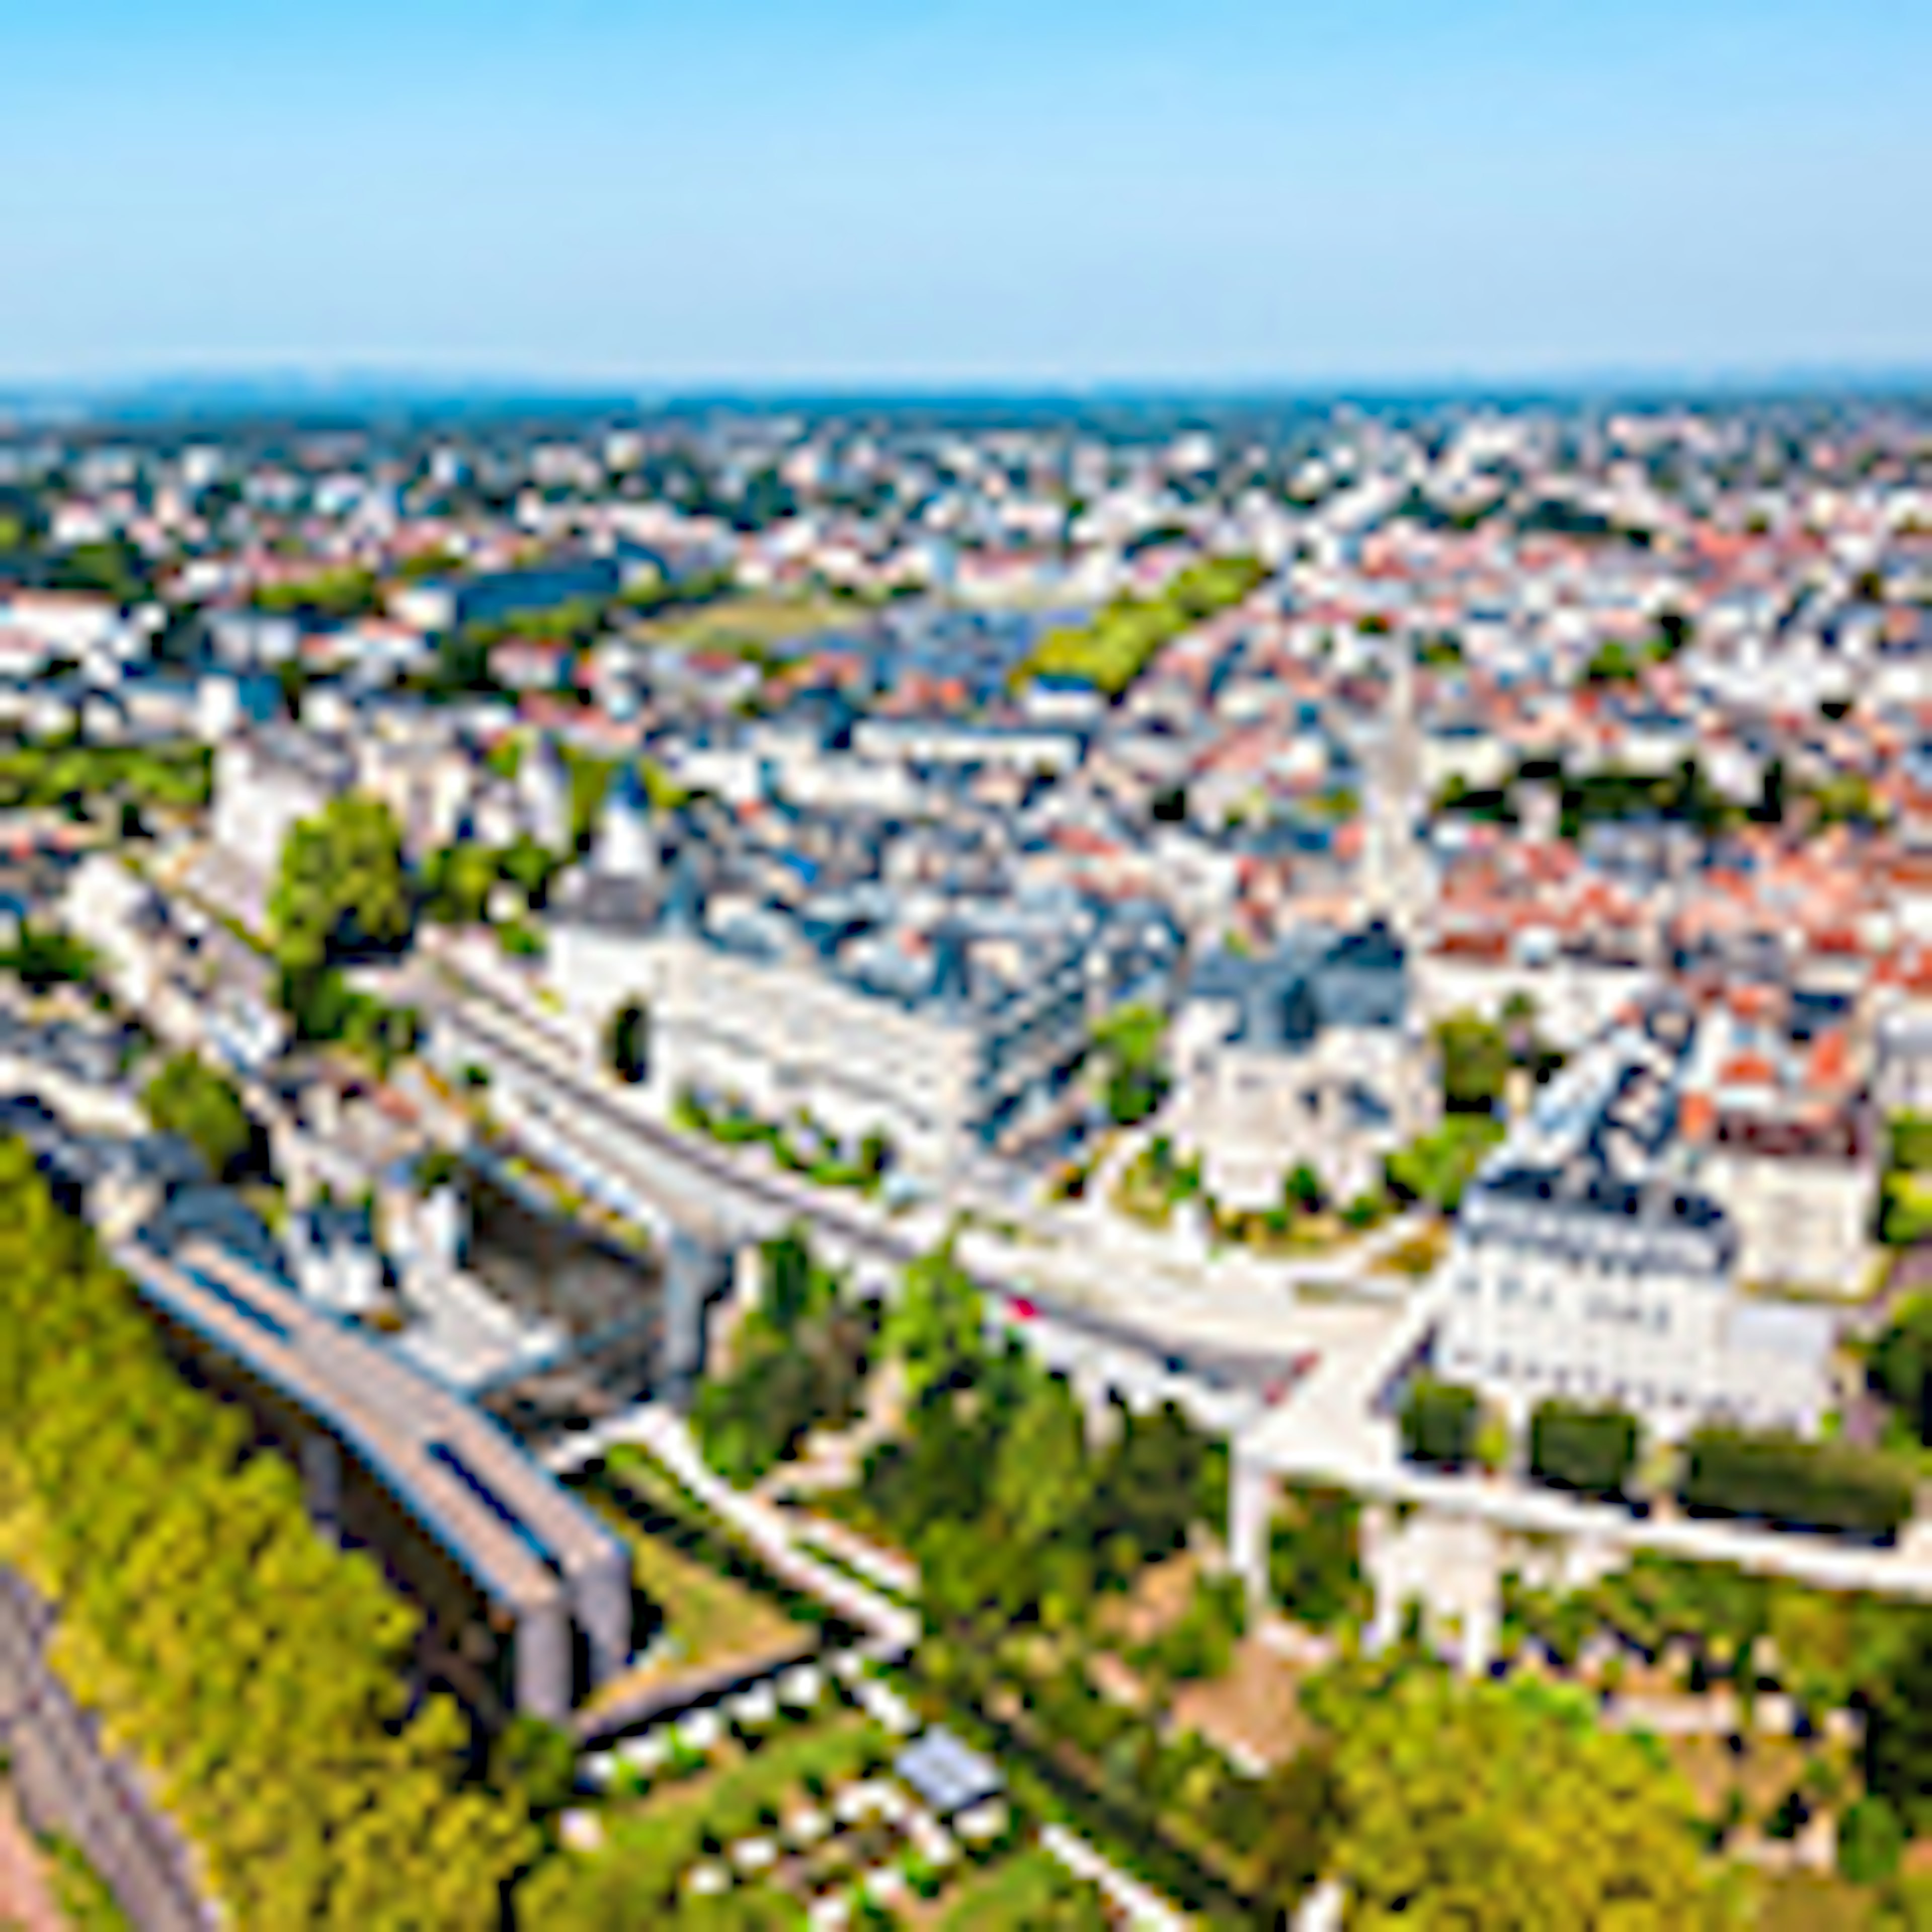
<point>1315,1566</point>
<point>1871,1840</point>
<point>343,891</point>
<point>1439,1421</point>
<point>1302,1190</point>
<point>1302,1803</point>
<point>43,957</point>
<point>458,881</point>
<point>1481,1806</point>
<point>1149,1491</point>
<point>1438,1167</point>
<point>800,1361</point>
<point>935,1327</point>
<point>627,1046</point>
<point>1131,1042</point>
<point>1476,1061</point>
<point>1900,1364</point>
<point>188,1097</point>
<point>535,1760</point>
<point>1898,1734</point>
<point>1041,1479</point>
<point>256,1673</point>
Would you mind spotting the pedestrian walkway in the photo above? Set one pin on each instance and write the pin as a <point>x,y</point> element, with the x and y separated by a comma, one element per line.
<point>26,1890</point>
<point>893,1631</point>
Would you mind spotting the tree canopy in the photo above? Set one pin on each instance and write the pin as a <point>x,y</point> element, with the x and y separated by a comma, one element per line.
<point>188,1097</point>
<point>342,896</point>
<point>256,1673</point>
<point>799,1364</point>
<point>1476,1061</point>
<point>342,892</point>
<point>935,1327</point>
<point>1131,1042</point>
<point>1485,1807</point>
<point>1113,650</point>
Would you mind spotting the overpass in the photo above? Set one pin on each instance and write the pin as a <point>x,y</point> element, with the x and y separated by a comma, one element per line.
<point>542,1562</point>
<point>709,1209</point>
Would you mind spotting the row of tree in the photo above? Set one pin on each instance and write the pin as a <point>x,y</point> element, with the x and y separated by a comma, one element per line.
<point>1112,651</point>
<point>70,776</point>
<point>1768,1476</point>
<point>256,1672</point>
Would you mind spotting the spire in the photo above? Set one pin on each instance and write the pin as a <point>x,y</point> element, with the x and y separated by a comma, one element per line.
<point>1394,882</point>
<point>626,848</point>
<point>543,787</point>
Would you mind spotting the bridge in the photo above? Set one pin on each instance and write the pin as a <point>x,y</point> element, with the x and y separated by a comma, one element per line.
<point>542,1562</point>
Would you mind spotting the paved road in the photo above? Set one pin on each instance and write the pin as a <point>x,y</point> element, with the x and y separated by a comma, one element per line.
<point>1165,1338</point>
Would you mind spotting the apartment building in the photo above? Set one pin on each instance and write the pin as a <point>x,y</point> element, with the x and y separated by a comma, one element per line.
<point>1592,1260</point>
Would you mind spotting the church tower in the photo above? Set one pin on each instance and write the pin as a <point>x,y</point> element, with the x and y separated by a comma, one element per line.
<point>1394,885</point>
<point>626,846</point>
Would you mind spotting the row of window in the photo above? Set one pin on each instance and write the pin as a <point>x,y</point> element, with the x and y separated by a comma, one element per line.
<point>1510,1291</point>
<point>1585,1383</point>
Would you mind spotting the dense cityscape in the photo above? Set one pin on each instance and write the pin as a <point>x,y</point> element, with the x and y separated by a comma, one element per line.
<point>1126,1163</point>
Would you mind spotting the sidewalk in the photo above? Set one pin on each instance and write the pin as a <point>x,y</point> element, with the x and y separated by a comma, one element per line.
<point>26,1891</point>
<point>894,1631</point>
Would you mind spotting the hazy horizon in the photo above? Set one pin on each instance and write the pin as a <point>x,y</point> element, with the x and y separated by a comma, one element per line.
<point>971,194</point>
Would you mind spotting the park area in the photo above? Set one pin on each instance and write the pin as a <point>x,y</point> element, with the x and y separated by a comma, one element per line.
<point>817,1797</point>
<point>1085,1653</point>
<point>750,624</point>
<point>711,1625</point>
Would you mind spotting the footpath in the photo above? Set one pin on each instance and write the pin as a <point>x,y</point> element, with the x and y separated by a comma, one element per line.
<point>26,1889</point>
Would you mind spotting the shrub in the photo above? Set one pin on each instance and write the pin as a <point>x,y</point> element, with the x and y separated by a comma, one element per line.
<point>1911,1143</point>
<point>1200,1643</point>
<point>1587,1450</point>
<point>1314,1569</point>
<point>1905,1209</point>
<point>1825,1485</point>
<point>1439,1421</point>
<point>1870,1842</point>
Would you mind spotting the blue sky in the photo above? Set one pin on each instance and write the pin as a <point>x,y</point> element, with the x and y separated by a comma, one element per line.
<point>964,191</point>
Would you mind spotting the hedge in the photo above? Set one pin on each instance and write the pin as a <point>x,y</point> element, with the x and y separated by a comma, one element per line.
<point>1591,1451</point>
<point>1825,1486</point>
<point>1439,1422</point>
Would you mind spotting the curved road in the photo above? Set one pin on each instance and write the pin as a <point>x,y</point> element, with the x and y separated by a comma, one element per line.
<point>543,1064</point>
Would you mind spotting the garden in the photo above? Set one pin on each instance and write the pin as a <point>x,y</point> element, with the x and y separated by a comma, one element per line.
<point>802,1800</point>
<point>1764,1476</point>
<point>802,1145</point>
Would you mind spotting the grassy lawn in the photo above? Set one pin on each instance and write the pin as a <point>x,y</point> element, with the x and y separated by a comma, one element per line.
<point>730,1799</point>
<point>1028,1889</point>
<point>752,624</point>
<point>713,1621</point>
<point>1806,1903</point>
